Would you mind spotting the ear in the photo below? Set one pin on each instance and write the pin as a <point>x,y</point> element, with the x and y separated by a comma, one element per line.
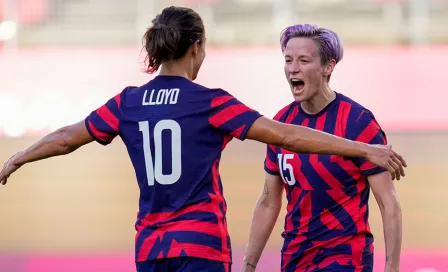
<point>329,67</point>
<point>195,47</point>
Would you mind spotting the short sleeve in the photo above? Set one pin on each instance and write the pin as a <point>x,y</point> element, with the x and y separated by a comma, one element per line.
<point>230,115</point>
<point>103,123</point>
<point>367,130</point>
<point>270,162</point>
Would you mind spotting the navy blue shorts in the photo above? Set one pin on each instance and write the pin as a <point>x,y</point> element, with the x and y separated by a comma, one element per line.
<point>183,264</point>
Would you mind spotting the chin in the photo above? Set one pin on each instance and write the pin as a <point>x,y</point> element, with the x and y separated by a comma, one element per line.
<point>300,97</point>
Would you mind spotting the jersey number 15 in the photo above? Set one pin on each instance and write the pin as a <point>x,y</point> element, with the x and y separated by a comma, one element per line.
<point>285,166</point>
<point>154,167</point>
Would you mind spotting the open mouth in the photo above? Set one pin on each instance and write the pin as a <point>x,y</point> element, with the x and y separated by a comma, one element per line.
<point>297,84</point>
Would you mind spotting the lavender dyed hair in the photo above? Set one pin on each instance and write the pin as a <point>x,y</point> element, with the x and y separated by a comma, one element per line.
<point>330,46</point>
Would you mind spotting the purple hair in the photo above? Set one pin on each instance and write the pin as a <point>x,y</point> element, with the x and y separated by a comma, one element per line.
<point>330,46</point>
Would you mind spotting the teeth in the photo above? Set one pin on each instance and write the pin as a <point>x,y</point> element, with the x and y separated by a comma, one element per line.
<point>294,80</point>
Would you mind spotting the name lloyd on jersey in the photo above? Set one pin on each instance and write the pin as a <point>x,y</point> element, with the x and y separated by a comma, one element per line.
<point>164,96</point>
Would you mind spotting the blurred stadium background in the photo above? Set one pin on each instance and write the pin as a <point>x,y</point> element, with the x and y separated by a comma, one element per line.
<point>60,59</point>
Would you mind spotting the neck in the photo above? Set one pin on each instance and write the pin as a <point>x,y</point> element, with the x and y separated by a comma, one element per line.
<point>176,68</point>
<point>319,101</point>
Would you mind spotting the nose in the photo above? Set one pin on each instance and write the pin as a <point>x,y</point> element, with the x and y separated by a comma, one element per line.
<point>293,68</point>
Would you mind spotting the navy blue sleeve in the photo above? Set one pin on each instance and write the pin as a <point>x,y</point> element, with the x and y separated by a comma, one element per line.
<point>103,123</point>
<point>230,115</point>
<point>270,162</point>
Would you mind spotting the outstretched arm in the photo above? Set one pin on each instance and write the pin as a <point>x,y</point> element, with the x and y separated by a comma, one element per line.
<point>101,125</point>
<point>300,139</point>
<point>234,118</point>
<point>60,142</point>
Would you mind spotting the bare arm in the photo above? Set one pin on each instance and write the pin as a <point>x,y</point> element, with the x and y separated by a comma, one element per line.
<point>63,141</point>
<point>265,215</point>
<point>300,139</point>
<point>384,191</point>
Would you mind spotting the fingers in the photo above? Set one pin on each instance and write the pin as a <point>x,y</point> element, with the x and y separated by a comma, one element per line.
<point>400,165</point>
<point>400,158</point>
<point>396,168</point>
<point>3,179</point>
<point>397,162</point>
<point>4,175</point>
<point>391,170</point>
<point>7,170</point>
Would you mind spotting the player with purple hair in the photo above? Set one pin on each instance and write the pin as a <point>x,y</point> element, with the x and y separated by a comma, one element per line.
<point>326,225</point>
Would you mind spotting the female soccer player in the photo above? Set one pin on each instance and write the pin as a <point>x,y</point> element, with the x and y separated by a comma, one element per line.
<point>175,131</point>
<point>326,226</point>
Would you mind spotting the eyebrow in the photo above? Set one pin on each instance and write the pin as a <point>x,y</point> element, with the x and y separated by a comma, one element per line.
<point>300,56</point>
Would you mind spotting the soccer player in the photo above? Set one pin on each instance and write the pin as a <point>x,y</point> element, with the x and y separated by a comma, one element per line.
<point>175,131</point>
<point>326,225</point>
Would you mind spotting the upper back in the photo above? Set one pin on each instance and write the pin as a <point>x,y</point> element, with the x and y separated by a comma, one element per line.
<point>174,131</point>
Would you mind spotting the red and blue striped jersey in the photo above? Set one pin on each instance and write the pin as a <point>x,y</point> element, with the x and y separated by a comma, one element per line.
<point>175,131</point>
<point>326,224</point>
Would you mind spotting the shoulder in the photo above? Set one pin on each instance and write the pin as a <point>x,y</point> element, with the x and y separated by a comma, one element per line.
<point>205,92</point>
<point>357,112</point>
<point>360,120</point>
<point>126,93</point>
<point>281,114</point>
<point>218,96</point>
<point>129,90</point>
<point>193,86</point>
<point>201,87</point>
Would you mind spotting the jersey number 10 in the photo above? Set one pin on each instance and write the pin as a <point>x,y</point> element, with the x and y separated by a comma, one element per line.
<point>154,170</point>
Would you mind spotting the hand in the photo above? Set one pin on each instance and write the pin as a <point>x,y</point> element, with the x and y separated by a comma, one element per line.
<point>10,167</point>
<point>391,268</point>
<point>247,267</point>
<point>383,156</point>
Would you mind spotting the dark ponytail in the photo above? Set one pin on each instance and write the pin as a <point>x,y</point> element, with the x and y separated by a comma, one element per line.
<point>172,33</point>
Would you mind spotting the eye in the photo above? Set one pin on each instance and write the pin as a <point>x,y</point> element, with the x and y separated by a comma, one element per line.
<point>288,61</point>
<point>304,61</point>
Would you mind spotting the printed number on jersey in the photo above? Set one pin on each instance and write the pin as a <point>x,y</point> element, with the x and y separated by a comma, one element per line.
<point>154,166</point>
<point>286,168</point>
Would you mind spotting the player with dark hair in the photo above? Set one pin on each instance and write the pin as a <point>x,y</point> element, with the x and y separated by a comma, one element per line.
<point>326,225</point>
<point>175,131</point>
